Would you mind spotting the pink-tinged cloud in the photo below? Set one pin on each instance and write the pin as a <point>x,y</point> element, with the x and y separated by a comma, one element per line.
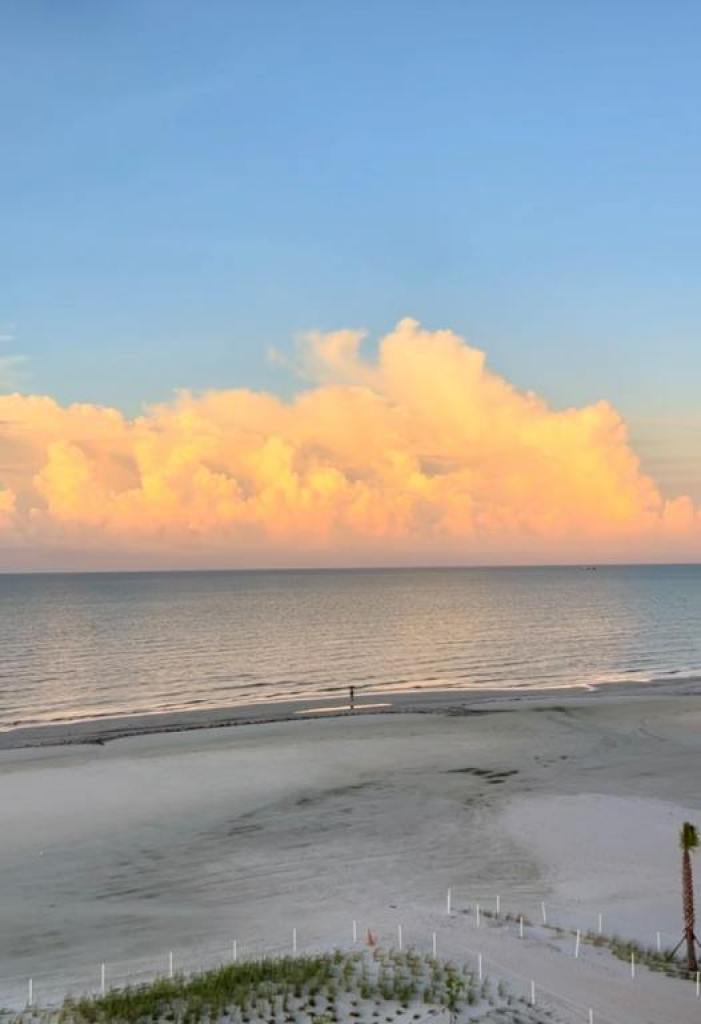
<point>422,455</point>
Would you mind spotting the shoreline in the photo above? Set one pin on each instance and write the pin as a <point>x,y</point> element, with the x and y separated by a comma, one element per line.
<point>100,731</point>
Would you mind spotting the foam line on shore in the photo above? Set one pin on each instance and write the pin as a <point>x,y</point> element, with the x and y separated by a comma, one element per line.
<point>441,702</point>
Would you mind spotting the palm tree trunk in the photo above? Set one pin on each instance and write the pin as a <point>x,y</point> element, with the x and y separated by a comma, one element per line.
<point>688,899</point>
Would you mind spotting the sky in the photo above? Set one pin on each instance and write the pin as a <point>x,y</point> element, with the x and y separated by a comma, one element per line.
<point>196,199</point>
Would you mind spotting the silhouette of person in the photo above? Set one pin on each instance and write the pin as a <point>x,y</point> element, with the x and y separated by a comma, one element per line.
<point>352,698</point>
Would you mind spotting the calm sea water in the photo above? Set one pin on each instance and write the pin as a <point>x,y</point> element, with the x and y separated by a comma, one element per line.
<point>85,646</point>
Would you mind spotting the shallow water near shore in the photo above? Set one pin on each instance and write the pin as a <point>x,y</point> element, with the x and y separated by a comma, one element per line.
<point>95,645</point>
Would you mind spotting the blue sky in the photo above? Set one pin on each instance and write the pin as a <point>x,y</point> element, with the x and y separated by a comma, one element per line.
<point>185,185</point>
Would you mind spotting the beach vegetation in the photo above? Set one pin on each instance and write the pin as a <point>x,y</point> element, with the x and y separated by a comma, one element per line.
<point>393,987</point>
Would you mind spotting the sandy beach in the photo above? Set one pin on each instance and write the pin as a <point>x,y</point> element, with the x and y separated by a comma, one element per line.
<point>121,850</point>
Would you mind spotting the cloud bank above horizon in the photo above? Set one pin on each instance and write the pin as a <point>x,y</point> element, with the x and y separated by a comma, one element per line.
<point>420,455</point>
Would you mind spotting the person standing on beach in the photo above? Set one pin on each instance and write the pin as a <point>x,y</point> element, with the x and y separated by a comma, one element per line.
<point>352,698</point>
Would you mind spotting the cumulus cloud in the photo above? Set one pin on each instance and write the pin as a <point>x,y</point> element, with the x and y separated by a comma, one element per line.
<point>419,454</point>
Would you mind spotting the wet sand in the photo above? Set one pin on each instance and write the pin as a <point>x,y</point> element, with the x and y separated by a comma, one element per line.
<point>454,701</point>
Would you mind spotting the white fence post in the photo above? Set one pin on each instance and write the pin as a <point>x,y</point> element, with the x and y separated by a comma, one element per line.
<point>577,942</point>
<point>448,902</point>
<point>498,904</point>
<point>632,965</point>
<point>30,993</point>
<point>698,984</point>
<point>102,979</point>
<point>544,913</point>
<point>479,966</point>
<point>601,923</point>
<point>659,943</point>
<point>170,964</point>
<point>294,941</point>
<point>591,1016</point>
<point>532,993</point>
<point>234,951</point>
<point>355,931</point>
<point>435,945</point>
<point>520,926</point>
<point>399,937</point>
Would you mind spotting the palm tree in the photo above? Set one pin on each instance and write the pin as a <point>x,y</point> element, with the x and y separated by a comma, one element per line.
<point>688,840</point>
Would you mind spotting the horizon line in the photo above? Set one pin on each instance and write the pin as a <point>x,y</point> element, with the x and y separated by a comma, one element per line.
<point>584,566</point>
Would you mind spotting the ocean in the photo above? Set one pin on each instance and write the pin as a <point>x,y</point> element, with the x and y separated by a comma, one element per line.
<point>81,646</point>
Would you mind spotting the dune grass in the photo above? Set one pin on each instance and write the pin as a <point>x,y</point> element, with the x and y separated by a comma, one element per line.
<point>655,960</point>
<point>207,995</point>
<point>664,960</point>
<point>378,987</point>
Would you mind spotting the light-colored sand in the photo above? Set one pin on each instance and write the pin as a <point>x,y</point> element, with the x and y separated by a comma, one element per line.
<point>164,842</point>
<point>608,855</point>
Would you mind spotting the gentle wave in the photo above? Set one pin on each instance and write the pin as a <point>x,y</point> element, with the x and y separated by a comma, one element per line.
<point>87,646</point>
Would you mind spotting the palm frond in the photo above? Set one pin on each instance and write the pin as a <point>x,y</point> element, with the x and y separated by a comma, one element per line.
<point>688,836</point>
